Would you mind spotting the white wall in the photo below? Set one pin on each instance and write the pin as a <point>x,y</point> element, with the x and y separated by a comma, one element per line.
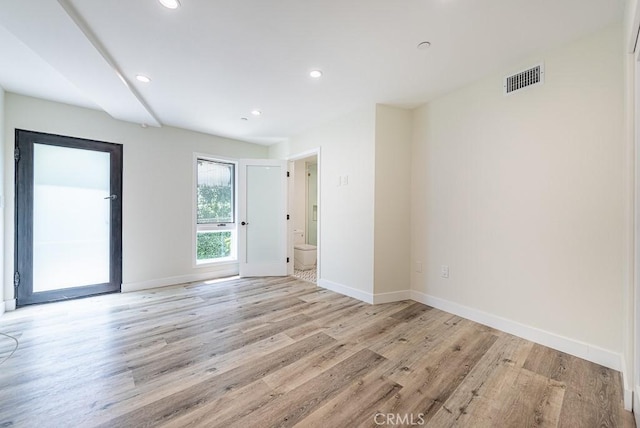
<point>346,211</point>
<point>2,193</point>
<point>630,23</point>
<point>392,200</point>
<point>628,296</point>
<point>158,186</point>
<point>631,316</point>
<point>524,196</point>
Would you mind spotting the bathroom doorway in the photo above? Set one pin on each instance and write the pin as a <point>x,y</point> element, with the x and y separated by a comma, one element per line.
<point>305,209</point>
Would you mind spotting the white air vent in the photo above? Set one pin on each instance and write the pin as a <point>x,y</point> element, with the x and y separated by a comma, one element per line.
<point>523,79</point>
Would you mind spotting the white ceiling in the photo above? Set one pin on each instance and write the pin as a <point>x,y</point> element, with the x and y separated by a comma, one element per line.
<point>213,61</point>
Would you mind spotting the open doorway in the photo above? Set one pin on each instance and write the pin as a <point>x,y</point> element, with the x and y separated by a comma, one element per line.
<point>305,209</point>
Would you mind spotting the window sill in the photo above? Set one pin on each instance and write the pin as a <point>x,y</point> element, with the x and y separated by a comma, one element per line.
<point>215,262</point>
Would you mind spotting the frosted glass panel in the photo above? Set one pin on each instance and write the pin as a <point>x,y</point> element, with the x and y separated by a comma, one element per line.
<point>264,201</point>
<point>70,217</point>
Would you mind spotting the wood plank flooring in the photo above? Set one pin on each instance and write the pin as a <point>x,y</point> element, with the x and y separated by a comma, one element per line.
<point>270,352</point>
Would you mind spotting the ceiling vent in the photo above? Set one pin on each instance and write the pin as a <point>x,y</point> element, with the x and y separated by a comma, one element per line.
<point>530,77</point>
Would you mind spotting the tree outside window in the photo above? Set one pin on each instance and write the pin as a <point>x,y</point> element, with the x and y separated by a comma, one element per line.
<point>215,209</point>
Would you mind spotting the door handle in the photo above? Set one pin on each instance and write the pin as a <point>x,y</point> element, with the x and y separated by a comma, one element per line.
<point>112,197</point>
<point>244,223</point>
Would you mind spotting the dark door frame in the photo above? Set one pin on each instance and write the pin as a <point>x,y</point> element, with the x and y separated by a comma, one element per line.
<point>23,278</point>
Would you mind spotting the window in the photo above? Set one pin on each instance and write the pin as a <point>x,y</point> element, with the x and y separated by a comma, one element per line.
<point>216,211</point>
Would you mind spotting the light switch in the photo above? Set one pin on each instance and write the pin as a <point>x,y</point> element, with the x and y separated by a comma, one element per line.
<point>444,271</point>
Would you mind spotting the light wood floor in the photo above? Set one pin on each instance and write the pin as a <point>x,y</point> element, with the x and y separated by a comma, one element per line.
<point>282,352</point>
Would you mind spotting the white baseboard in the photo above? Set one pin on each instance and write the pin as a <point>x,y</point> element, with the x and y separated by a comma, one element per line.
<point>3,306</point>
<point>395,296</point>
<point>628,400</point>
<point>627,384</point>
<point>347,291</point>
<point>374,299</point>
<point>229,270</point>
<point>10,305</point>
<point>573,347</point>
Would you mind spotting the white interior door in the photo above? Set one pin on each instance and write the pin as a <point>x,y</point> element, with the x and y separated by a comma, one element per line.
<point>262,206</point>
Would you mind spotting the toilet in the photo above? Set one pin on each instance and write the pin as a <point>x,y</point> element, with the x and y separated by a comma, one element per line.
<point>304,255</point>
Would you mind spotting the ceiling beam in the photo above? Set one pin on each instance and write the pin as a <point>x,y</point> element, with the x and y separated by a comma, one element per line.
<point>54,31</point>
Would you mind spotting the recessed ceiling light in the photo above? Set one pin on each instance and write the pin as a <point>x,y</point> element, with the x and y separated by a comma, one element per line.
<point>424,45</point>
<point>170,4</point>
<point>142,78</point>
<point>256,112</point>
<point>316,74</point>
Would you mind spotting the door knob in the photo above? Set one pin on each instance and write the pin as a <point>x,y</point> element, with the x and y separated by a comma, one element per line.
<point>244,223</point>
<point>112,197</point>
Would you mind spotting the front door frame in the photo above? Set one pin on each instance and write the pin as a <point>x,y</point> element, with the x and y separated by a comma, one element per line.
<point>23,244</point>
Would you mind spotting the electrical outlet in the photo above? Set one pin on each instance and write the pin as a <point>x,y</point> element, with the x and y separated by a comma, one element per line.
<point>444,271</point>
<point>419,267</point>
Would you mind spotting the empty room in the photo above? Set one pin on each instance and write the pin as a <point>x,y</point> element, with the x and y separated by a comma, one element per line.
<point>319,214</point>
